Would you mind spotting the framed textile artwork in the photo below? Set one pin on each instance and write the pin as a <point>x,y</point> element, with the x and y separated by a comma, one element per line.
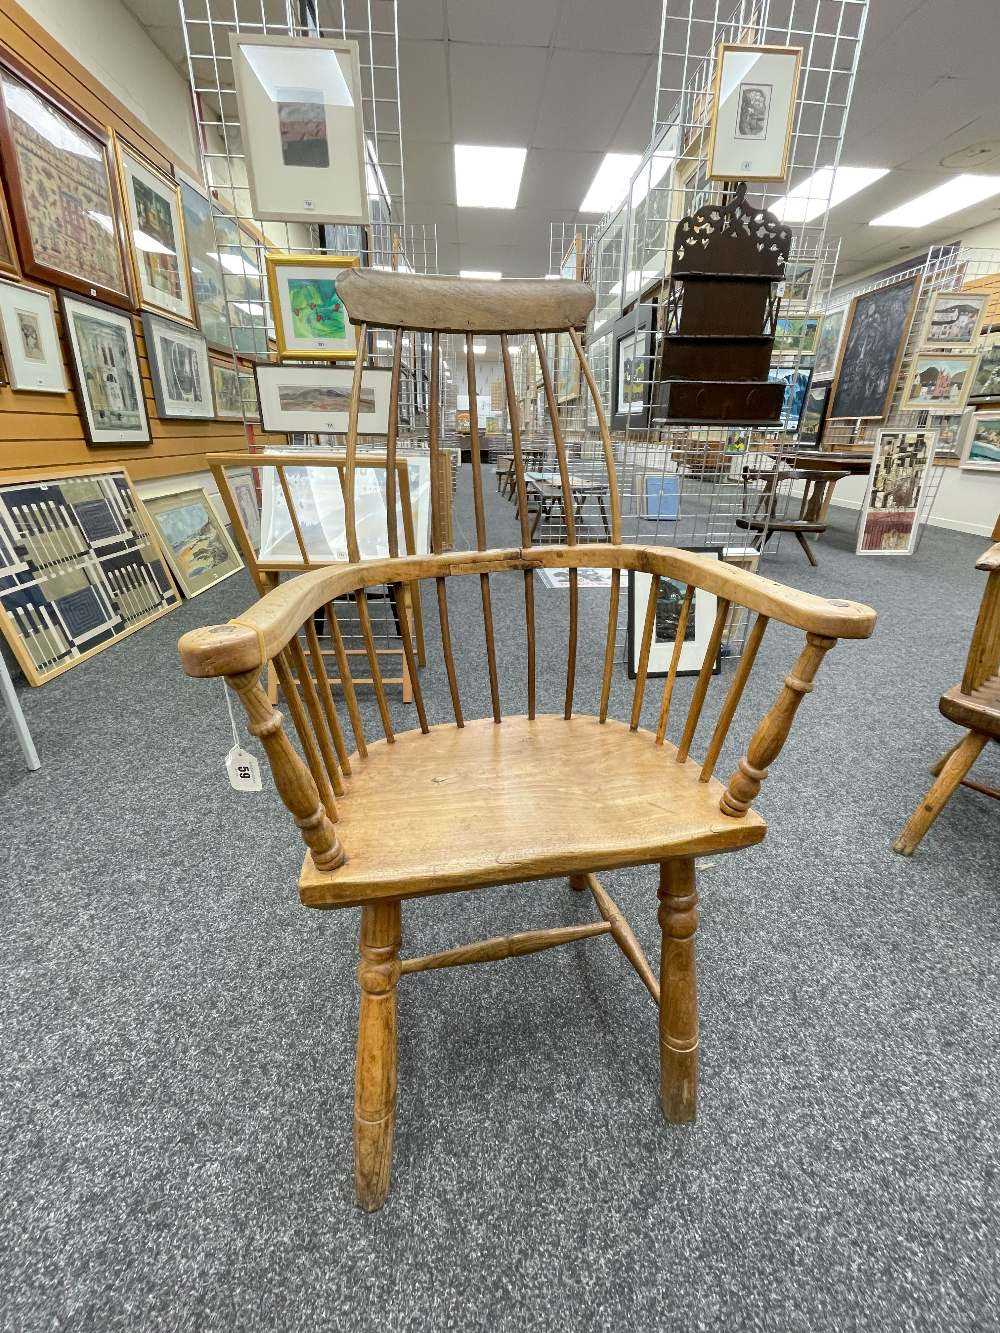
<point>813,416</point>
<point>62,193</point>
<point>986,381</point>
<point>316,399</point>
<point>227,390</point>
<point>80,568</point>
<point>954,319</point>
<point>310,322</point>
<point>938,382</point>
<point>828,344</point>
<point>299,102</point>
<point>179,369</point>
<point>981,445</point>
<point>877,327</point>
<point>897,486</point>
<point>633,368</point>
<point>31,350</point>
<point>155,222</point>
<point>753,107</point>
<point>199,548</point>
<point>105,370</point>
<point>697,628</point>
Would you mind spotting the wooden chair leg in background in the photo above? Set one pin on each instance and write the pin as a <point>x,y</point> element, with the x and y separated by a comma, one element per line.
<point>678,918</point>
<point>956,764</point>
<point>375,1083</point>
<point>803,542</point>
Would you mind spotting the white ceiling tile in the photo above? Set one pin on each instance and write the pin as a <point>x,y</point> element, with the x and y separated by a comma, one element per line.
<point>430,173</point>
<point>555,180</point>
<point>636,126</point>
<point>495,92</point>
<point>585,97</point>
<point>423,91</point>
<point>421,18</point>
<point>627,25</point>
<point>502,22</point>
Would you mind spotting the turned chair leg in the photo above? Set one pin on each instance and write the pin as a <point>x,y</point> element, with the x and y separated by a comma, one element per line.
<point>938,764</point>
<point>678,918</point>
<point>957,763</point>
<point>375,1082</point>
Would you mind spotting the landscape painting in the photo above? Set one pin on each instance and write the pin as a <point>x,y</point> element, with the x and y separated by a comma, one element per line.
<point>197,545</point>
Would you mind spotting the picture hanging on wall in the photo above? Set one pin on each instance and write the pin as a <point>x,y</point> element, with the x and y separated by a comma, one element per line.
<point>310,322</point>
<point>299,103</point>
<point>31,350</point>
<point>753,108</point>
<point>62,194</point>
<point>199,548</point>
<point>317,399</point>
<point>8,249</point>
<point>828,344</point>
<point>633,368</point>
<point>897,487</point>
<point>813,417</point>
<point>179,369</point>
<point>208,286</point>
<point>981,446</point>
<point>986,381</point>
<point>873,346</point>
<point>245,285</point>
<point>227,390</point>
<point>155,219</point>
<point>80,568</point>
<point>248,388</point>
<point>938,382</point>
<point>695,632</point>
<point>796,384</point>
<point>105,370</point>
<point>954,319</point>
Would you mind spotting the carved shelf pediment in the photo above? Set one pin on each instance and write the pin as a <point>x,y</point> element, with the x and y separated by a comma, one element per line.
<point>731,240</point>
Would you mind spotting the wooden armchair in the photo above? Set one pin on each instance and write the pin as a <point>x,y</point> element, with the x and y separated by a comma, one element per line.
<point>503,799</point>
<point>974,705</point>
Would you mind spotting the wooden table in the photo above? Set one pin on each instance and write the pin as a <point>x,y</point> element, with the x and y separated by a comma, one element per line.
<point>817,492</point>
<point>545,492</point>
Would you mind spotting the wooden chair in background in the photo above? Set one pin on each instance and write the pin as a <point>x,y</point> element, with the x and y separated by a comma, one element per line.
<point>505,799</point>
<point>810,518</point>
<point>974,705</point>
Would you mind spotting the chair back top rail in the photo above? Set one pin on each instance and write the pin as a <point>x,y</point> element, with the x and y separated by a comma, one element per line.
<point>430,304</point>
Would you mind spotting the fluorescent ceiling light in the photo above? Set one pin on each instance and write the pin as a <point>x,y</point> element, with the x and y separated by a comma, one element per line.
<point>488,177</point>
<point>480,273</point>
<point>823,190</point>
<point>611,182</point>
<point>951,197</point>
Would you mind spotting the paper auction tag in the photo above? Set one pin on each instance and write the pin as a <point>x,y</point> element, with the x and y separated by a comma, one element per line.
<point>243,770</point>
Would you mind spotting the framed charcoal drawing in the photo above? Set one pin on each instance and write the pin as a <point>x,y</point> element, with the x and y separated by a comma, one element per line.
<point>179,368</point>
<point>227,389</point>
<point>200,550</point>
<point>62,190</point>
<point>310,322</point>
<point>315,399</point>
<point>938,382</point>
<point>299,102</point>
<point>633,368</point>
<point>752,112</point>
<point>105,371</point>
<point>873,346</point>
<point>31,350</point>
<point>986,381</point>
<point>813,416</point>
<point>697,629</point>
<point>897,486</point>
<point>80,568</point>
<point>954,319</point>
<point>981,444</point>
<point>155,222</point>
<point>828,344</point>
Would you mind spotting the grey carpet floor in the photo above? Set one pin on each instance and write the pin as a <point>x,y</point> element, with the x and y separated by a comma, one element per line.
<point>177,1033</point>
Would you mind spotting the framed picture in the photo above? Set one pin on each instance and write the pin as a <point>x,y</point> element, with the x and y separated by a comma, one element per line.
<point>179,369</point>
<point>227,390</point>
<point>669,600</point>
<point>310,322</point>
<point>208,280</point>
<point>105,371</point>
<point>241,252</point>
<point>755,90</point>
<point>31,350</point>
<point>571,264</point>
<point>633,368</point>
<point>981,446</point>
<point>62,193</point>
<point>954,319</point>
<point>317,399</point>
<point>248,388</point>
<point>828,344</point>
<point>897,483</point>
<point>8,249</point>
<point>796,335</point>
<point>877,327</point>
<point>938,382</point>
<point>813,416</point>
<point>244,493</point>
<point>198,547</point>
<point>155,220</point>
<point>81,568</point>
<point>796,384</point>
<point>299,101</point>
<point>986,381</point>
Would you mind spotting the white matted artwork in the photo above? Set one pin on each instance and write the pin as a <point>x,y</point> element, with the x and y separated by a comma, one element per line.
<point>755,89</point>
<point>31,349</point>
<point>179,368</point>
<point>897,485</point>
<point>106,368</point>
<point>938,382</point>
<point>315,399</point>
<point>954,319</point>
<point>669,602</point>
<point>300,121</point>
<point>244,493</point>
<point>981,443</point>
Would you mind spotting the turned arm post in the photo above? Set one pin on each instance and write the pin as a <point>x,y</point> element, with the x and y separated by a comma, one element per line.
<point>773,731</point>
<point>291,776</point>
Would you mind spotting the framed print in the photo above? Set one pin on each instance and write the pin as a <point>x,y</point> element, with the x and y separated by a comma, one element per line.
<point>954,319</point>
<point>8,249</point>
<point>796,384</point>
<point>179,369</point>
<point>755,90</point>
<point>872,349</point>
<point>244,492</point>
<point>106,371</point>
<point>155,220</point>
<point>31,350</point>
<point>669,602</point>
<point>813,417</point>
<point>897,484</point>
<point>986,381</point>
<point>62,193</point>
<point>938,382</point>
<point>317,399</point>
<point>828,344</point>
<point>208,283</point>
<point>310,322</point>
<point>796,335</point>
<point>80,568</point>
<point>248,388</point>
<point>981,446</point>
<point>633,368</point>
<point>227,390</point>
<point>200,550</point>
<point>299,101</point>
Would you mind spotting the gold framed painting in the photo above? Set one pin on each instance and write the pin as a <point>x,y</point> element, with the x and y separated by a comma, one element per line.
<point>954,319</point>
<point>310,322</point>
<point>155,222</point>
<point>198,547</point>
<point>753,109</point>
<point>939,382</point>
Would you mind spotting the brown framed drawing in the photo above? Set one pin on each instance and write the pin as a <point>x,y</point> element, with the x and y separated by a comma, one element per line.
<point>871,351</point>
<point>310,322</point>
<point>62,189</point>
<point>155,222</point>
<point>752,111</point>
<point>8,248</point>
<point>227,389</point>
